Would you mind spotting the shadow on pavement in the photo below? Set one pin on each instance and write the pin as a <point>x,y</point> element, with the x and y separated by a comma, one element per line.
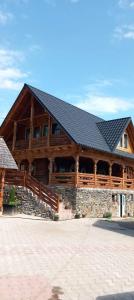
<point>123,226</point>
<point>122,296</point>
<point>56,293</point>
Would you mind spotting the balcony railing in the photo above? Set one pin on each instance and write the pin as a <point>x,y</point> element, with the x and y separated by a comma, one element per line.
<point>40,142</point>
<point>91,181</point>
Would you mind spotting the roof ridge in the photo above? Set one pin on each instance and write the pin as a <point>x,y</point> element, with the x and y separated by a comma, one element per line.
<point>30,86</point>
<point>127,118</point>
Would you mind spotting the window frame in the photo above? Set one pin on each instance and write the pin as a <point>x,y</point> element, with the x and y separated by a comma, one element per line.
<point>34,135</point>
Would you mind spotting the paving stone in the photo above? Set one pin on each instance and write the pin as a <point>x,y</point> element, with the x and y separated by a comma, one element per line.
<point>67,260</point>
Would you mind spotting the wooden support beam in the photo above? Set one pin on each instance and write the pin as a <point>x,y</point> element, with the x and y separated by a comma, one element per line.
<point>110,173</point>
<point>123,176</point>
<point>14,135</point>
<point>77,170</point>
<point>51,161</point>
<point>49,131</point>
<point>30,167</point>
<point>2,189</point>
<point>31,122</point>
<point>95,172</point>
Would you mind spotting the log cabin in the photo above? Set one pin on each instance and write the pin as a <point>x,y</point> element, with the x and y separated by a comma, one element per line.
<point>6,163</point>
<point>88,160</point>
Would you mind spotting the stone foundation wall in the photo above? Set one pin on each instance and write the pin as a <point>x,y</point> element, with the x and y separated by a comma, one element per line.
<point>27,203</point>
<point>89,202</point>
<point>95,202</point>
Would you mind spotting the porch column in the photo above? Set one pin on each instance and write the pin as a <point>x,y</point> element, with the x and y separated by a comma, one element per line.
<point>31,122</point>
<point>95,172</point>
<point>49,131</point>
<point>77,170</point>
<point>14,135</point>
<point>123,176</point>
<point>110,172</point>
<point>18,164</point>
<point>2,188</point>
<point>51,160</point>
<point>30,167</point>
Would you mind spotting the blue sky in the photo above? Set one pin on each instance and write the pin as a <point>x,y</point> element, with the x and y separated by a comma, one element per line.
<point>79,50</point>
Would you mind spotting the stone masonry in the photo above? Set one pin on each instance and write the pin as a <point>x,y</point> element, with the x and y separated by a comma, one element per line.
<point>28,203</point>
<point>95,202</point>
<point>85,201</point>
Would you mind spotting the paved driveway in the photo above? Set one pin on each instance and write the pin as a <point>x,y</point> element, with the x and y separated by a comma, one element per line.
<point>79,259</point>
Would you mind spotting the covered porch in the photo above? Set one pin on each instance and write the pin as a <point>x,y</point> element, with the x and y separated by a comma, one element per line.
<point>85,172</point>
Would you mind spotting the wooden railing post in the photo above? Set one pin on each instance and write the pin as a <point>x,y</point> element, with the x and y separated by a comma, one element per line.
<point>77,170</point>
<point>31,122</point>
<point>14,135</point>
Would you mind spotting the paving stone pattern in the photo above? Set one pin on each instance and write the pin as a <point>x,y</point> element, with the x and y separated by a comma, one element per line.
<point>68,260</point>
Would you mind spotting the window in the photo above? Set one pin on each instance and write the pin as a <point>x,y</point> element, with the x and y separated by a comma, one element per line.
<point>27,133</point>
<point>56,129</point>
<point>45,130</point>
<point>125,141</point>
<point>121,142</point>
<point>36,132</point>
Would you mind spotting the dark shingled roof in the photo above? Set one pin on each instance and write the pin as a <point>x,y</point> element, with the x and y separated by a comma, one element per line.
<point>6,159</point>
<point>112,130</point>
<point>84,128</point>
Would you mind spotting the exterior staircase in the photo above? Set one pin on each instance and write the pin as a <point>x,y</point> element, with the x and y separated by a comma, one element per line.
<point>35,198</point>
<point>23,179</point>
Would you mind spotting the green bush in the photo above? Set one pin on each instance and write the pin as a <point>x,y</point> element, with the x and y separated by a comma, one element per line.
<point>56,217</point>
<point>107,215</point>
<point>12,198</point>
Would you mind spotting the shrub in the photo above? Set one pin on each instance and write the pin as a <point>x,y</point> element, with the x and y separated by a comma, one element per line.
<point>12,198</point>
<point>56,217</point>
<point>107,215</point>
<point>77,215</point>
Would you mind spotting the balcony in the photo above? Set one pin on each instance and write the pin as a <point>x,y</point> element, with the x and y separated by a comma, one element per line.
<point>92,181</point>
<point>40,142</point>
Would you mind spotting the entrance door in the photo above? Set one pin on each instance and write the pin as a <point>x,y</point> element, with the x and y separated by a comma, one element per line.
<point>122,199</point>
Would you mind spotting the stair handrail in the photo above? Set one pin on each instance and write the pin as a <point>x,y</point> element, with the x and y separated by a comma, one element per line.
<point>23,178</point>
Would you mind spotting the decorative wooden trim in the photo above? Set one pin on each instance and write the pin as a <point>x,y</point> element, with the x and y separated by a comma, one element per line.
<point>31,122</point>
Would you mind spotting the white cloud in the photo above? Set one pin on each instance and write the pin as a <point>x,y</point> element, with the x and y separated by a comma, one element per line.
<point>126,3</point>
<point>101,104</point>
<point>11,75</point>
<point>96,100</point>
<point>5,17</point>
<point>124,32</point>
